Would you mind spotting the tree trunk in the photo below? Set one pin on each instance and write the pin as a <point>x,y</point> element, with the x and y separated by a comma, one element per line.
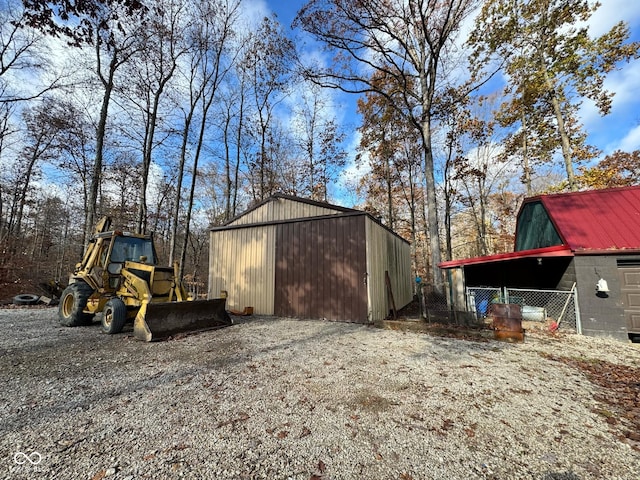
<point>562,130</point>
<point>192,190</point>
<point>141,224</point>
<point>227,166</point>
<point>176,207</point>
<point>482,222</point>
<point>234,203</point>
<point>525,157</point>
<point>566,144</point>
<point>22,199</point>
<point>91,212</point>
<point>432,210</point>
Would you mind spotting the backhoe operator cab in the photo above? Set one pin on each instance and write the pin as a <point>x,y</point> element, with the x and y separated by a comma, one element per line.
<point>125,248</point>
<point>119,277</point>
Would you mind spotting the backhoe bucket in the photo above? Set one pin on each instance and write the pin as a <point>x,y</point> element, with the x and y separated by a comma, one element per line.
<point>157,321</point>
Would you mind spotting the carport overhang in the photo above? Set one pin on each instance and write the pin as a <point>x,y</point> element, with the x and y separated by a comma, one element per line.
<point>536,268</point>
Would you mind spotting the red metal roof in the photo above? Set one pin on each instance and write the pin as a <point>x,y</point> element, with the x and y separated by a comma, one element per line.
<point>596,220</point>
<point>593,221</point>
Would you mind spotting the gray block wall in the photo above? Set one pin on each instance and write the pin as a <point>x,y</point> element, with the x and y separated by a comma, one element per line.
<point>601,315</point>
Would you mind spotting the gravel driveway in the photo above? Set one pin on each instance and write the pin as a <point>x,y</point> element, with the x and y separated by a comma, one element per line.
<point>280,398</point>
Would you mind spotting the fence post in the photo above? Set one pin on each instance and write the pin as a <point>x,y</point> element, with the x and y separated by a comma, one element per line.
<point>577,310</point>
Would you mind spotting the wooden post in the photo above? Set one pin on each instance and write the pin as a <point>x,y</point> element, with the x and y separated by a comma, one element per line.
<point>387,280</point>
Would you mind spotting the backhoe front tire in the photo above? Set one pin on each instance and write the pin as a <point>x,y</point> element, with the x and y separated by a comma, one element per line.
<point>72,303</point>
<point>114,316</point>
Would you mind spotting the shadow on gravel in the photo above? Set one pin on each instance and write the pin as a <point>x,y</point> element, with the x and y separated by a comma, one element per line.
<point>81,362</point>
<point>561,476</point>
<point>84,366</point>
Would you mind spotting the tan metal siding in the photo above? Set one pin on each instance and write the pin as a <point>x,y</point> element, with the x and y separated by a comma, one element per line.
<point>241,261</point>
<point>282,209</point>
<point>387,252</point>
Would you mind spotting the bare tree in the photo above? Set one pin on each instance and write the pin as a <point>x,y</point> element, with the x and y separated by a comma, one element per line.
<point>110,27</point>
<point>159,49</point>
<point>233,114</point>
<point>212,38</point>
<point>267,65</point>
<point>23,55</point>
<point>319,141</point>
<point>43,126</point>
<point>408,42</point>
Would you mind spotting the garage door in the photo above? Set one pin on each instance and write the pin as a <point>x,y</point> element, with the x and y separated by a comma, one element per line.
<point>320,264</point>
<point>630,293</point>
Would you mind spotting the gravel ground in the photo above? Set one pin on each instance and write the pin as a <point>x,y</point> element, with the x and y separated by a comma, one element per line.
<point>279,398</point>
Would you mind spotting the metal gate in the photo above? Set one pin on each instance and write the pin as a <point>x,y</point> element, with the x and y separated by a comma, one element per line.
<point>537,305</point>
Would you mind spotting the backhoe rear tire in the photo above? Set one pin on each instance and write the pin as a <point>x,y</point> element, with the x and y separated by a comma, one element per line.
<point>72,303</point>
<point>114,316</point>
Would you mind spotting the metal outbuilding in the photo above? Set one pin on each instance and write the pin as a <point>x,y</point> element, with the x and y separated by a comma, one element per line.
<point>590,239</point>
<point>294,257</point>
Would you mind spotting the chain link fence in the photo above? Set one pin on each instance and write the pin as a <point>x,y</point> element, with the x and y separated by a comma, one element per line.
<point>537,305</point>
<point>435,309</point>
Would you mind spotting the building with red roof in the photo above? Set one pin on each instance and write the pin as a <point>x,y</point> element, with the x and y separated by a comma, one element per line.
<point>590,239</point>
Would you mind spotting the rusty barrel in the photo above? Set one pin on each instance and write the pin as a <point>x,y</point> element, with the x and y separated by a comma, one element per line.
<point>507,321</point>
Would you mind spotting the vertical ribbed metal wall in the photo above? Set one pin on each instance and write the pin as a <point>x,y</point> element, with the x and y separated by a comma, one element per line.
<point>241,262</point>
<point>320,269</point>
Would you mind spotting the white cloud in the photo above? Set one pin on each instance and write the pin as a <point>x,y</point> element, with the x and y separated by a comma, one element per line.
<point>612,12</point>
<point>253,11</point>
<point>630,142</point>
<point>619,129</point>
<point>624,84</point>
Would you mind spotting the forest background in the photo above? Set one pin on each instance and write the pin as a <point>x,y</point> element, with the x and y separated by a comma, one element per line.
<point>174,116</point>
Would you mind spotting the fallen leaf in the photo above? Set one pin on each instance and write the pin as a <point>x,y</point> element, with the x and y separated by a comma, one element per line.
<point>283,434</point>
<point>633,436</point>
<point>321,466</point>
<point>241,418</point>
<point>100,475</point>
<point>305,432</point>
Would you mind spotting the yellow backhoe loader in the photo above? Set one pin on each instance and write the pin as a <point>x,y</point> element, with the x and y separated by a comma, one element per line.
<point>118,278</point>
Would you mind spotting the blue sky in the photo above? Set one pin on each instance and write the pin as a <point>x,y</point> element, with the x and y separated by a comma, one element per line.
<point>620,130</point>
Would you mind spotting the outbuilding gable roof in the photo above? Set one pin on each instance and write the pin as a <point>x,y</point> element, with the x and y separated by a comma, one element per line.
<point>588,222</point>
<point>286,207</point>
<point>280,208</point>
<point>595,220</point>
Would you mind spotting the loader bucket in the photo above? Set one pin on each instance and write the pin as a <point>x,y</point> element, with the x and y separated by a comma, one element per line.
<point>157,321</point>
